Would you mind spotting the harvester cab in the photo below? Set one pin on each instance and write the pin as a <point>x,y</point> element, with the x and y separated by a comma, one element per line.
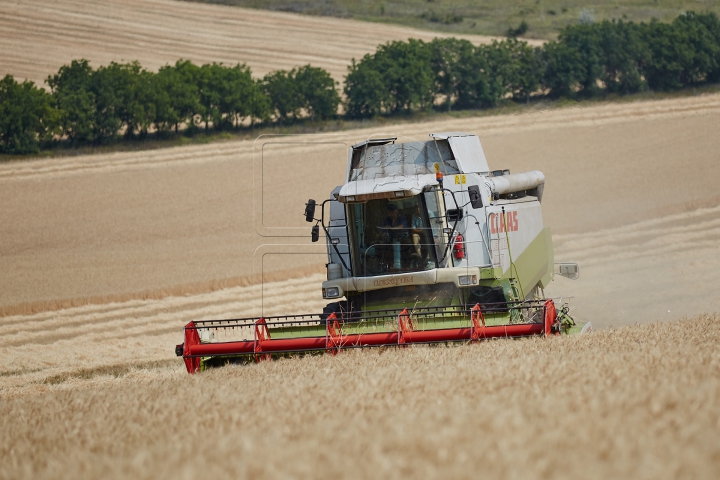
<point>425,245</point>
<point>422,224</point>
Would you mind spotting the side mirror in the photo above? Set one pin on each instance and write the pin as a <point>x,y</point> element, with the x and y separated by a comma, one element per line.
<point>315,233</point>
<point>310,211</point>
<point>475,200</point>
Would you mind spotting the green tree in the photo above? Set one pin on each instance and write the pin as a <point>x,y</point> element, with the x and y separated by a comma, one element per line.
<point>211,82</point>
<point>449,58</point>
<point>585,40</point>
<point>259,103</point>
<point>407,75</point>
<point>163,85</point>
<point>711,23</point>
<point>364,90</point>
<point>27,116</point>
<point>670,56</point>
<point>398,77</point>
<point>185,93</point>
<point>72,91</point>
<point>482,83</point>
<point>701,34</point>
<point>516,69</point>
<point>282,90</point>
<point>563,69</point>
<point>317,90</point>
<point>132,95</point>
<point>240,96</point>
<point>624,56</point>
<point>123,98</point>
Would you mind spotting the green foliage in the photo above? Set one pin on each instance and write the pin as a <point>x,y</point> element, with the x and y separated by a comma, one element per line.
<point>451,63</point>
<point>406,74</point>
<point>27,116</point>
<point>624,57</point>
<point>106,121</point>
<point>612,56</point>
<point>239,96</point>
<point>480,85</point>
<point>307,89</point>
<point>317,92</point>
<point>281,88</point>
<point>97,106</point>
<point>75,101</point>
<point>185,93</point>
<point>364,90</point>
<point>397,78</point>
<point>588,59</point>
<point>563,69</point>
<point>520,30</point>
<point>517,68</point>
<point>446,18</point>
<point>176,97</point>
<point>683,53</point>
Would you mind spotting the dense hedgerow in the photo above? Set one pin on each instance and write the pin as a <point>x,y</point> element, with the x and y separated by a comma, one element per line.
<point>587,60</point>
<point>86,106</point>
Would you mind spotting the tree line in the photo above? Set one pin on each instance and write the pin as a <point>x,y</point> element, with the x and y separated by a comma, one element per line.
<point>86,106</point>
<point>94,106</point>
<point>587,60</point>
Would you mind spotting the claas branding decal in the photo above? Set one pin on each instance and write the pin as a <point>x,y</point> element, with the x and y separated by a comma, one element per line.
<point>497,225</point>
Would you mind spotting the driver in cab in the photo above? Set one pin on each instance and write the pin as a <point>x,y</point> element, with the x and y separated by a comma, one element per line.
<point>395,225</point>
<point>395,228</point>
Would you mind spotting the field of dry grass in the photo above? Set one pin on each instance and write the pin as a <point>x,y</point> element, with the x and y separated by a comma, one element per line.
<point>635,402</point>
<point>37,37</point>
<point>490,17</point>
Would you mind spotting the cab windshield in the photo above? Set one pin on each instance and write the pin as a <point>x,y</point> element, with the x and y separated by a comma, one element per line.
<point>396,235</point>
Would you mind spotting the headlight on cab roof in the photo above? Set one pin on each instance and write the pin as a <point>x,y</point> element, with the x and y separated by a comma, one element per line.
<point>465,280</point>
<point>331,292</point>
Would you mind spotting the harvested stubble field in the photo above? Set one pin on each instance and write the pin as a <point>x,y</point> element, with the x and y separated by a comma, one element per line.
<point>37,37</point>
<point>635,402</point>
<point>631,194</point>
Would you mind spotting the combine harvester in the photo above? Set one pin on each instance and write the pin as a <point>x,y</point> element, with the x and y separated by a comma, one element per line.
<point>425,245</point>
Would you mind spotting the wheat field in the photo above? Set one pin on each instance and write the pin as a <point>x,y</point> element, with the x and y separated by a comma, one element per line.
<point>635,402</point>
<point>104,258</point>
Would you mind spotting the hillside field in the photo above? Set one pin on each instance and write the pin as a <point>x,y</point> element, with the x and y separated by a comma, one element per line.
<point>105,257</point>
<point>544,18</point>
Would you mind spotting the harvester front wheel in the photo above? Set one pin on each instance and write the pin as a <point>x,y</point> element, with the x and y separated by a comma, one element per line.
<point>329,309</point>
<point>338,308</point>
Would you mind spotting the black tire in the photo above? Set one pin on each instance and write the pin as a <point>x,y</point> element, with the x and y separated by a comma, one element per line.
<point>329,309</point>
<point>340,309</point>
